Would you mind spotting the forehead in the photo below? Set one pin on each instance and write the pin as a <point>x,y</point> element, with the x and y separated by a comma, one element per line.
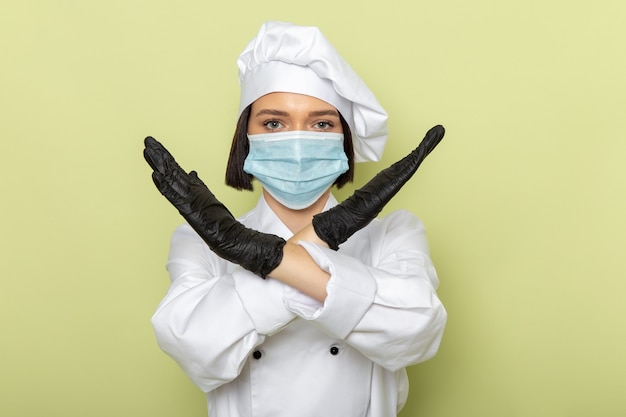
<point>290,102</point>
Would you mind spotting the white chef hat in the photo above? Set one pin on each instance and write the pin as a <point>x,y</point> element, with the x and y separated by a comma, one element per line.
<point>299,59</point>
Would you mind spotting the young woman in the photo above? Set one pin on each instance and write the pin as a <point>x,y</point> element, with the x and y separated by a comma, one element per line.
<point>303,306</point>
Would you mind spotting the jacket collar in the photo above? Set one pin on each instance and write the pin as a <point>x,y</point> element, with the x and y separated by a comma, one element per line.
<point>268,222</point>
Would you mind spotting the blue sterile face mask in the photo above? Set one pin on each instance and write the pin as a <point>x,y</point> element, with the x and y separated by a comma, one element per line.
<point>296,167</point>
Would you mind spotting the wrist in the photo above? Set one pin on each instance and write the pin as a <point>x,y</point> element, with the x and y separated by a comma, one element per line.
<point>308,234</point>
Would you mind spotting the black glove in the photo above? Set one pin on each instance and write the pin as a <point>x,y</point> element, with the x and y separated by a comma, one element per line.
<point>255,251</point>
<point>336,225</point>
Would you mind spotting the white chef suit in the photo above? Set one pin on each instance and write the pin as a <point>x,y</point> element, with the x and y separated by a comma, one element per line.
<point>259,348</point>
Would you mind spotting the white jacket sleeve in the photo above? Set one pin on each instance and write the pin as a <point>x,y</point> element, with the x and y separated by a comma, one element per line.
<point>209,322</point>
<point>382,296</point>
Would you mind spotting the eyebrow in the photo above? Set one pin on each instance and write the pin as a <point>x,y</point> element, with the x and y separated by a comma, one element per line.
<point>316,113</point>
<point>272,112</point>
<point>324,113</point>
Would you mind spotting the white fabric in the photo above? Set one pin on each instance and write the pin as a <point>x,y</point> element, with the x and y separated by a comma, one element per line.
<point>382,314</point>
<point>298,59</point>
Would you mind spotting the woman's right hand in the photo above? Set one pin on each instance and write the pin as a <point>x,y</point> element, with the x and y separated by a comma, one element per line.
<point>255,251</point>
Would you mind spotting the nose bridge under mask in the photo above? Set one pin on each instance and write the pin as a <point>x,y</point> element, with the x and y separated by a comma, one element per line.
<point>296,147</point>
<point>294,134</point>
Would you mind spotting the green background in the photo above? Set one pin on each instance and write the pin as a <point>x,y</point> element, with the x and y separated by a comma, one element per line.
<point>523,200</point>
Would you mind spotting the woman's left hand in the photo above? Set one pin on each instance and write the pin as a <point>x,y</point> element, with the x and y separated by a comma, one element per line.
<point>336,225</point>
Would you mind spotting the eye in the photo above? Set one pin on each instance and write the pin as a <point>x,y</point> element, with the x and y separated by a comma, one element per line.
<point>272,124</point>
<point>323,125</point>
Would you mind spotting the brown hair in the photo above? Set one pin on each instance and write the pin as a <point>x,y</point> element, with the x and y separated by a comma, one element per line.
<point>237,178</point>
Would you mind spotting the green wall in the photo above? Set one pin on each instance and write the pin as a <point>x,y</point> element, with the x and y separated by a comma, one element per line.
<point>523,201</point>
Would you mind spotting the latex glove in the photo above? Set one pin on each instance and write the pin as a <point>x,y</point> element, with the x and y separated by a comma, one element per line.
<point>255,251</point>
<point>336,225</point>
